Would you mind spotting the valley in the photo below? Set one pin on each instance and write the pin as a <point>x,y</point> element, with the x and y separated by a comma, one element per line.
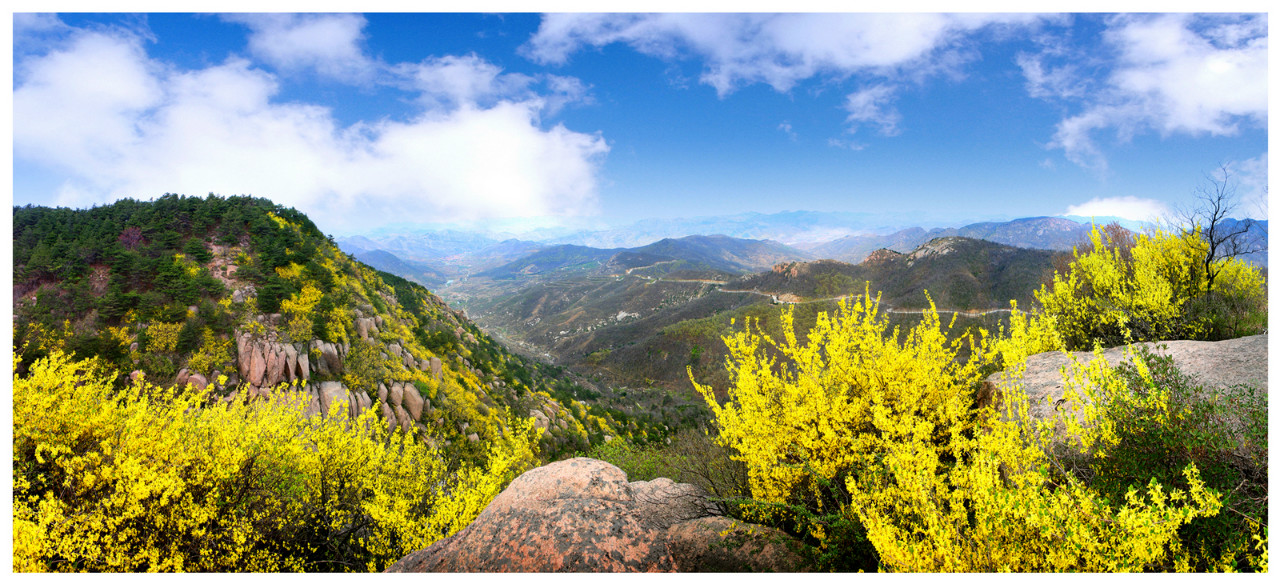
<point>636,318</point>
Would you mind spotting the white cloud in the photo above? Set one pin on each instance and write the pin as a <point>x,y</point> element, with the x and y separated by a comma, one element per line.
<point>778,50</point>
<point>120,124</point>
<point>455,80</point>
<point>77,107</point>
<point>870,106</point>
<point>329,44</point>
<point>1174,74</point>
<point>786,128</point>
<point>849,144</point>
<point>1045,81</point>
<point>1251,175</point>
<point>32,23</point>
<point>1128,207</point>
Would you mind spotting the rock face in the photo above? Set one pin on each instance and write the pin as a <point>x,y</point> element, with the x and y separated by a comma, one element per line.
<point>1215,364</point>
<point>581,515</point>
<point>265,363</point>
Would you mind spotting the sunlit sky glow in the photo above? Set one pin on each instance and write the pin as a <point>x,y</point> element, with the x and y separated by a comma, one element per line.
<point>366,120</point>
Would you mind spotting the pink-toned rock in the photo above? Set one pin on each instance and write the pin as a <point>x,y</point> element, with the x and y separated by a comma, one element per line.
<point>396,395</point>
<point>332,361</point>
<point>257,365</point>
<point>717,544</point>
<point>436,367</point>
<point>304,365</point>
<point>331,392</point>
<point>402,417</point>
<point>382,392</point>
<point>198,382</point>
<point>412,401</point>
<point>389,416</point>
<point>275,365</point>
<point>290,362</point>
<point>242,354</point>
<point>581,515</point>
<point>181,380</point>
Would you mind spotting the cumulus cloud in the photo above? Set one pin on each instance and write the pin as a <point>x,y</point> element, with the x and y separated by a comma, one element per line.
<point>119,124</point>
<point>1173,74</point>
<point>778,50</point>
<point>453,81</point>
<point>328,44</point>
<point>871,106</point>
<point>1128,207</point>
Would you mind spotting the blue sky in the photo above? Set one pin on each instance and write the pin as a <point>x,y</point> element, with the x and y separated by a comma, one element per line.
<point>363,121</point>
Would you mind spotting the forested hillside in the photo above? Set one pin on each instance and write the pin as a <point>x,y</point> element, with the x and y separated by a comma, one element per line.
<point>187,288</point>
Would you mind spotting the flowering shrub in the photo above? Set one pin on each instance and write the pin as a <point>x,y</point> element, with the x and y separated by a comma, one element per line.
<point>866,436</point>
<point>147,479</point>
<point>1155,290</point>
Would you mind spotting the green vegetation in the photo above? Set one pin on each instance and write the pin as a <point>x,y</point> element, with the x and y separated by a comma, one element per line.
<point>873,445</point>
<point>868,435</point>
<point>1222,432</point>
<point>147,479</point>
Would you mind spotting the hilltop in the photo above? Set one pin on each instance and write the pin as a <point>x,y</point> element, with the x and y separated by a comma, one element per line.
<point>239,294</point>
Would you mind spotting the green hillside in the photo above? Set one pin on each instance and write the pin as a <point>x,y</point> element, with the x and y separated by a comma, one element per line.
<point>241,295</point>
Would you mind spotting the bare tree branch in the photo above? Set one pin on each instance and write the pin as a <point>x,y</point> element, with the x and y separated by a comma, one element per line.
<point>1210,217</point>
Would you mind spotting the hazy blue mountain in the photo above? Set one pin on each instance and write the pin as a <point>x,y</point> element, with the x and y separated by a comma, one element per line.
<point>725,253</point>
<point>1045,233</point>
<point>415,271</point>
<point>566,257</point>
<point>718,252</point>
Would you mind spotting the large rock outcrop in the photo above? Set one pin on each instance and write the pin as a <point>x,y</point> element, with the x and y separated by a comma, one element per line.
<point>582,515</point>
<point>1214,364</point>
<point>264,363</point>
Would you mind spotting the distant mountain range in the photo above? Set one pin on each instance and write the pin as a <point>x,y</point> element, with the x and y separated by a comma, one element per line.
<point>412,270</point>
<point>1043,233</point>
<point>723,253</point>
<point>802,235</point>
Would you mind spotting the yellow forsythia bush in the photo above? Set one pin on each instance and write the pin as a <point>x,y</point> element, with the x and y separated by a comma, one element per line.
<point>148,479</point>
<point>877,428</point>
<point>1157,290</point>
